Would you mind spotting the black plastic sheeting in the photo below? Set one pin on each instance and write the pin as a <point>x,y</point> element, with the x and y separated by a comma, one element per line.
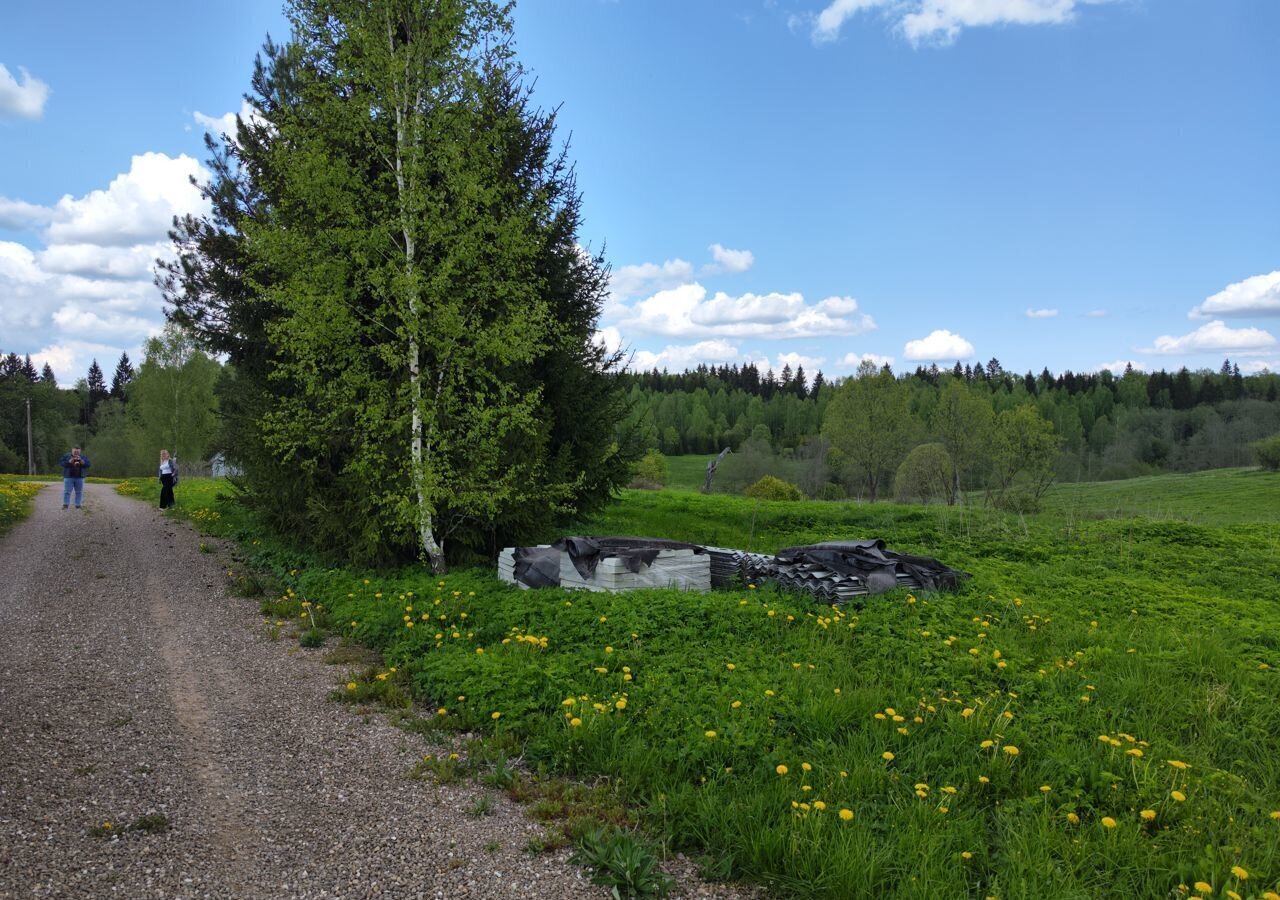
<point>635,552</point>
<point>537,567</point>
<point>877,566</point>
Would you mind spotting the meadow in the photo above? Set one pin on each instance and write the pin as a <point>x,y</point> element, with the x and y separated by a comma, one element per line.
<point>1093,715</point>
<point>15,501</point>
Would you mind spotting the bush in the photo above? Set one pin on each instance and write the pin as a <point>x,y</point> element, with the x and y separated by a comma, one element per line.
<point>833,491</point>
<point>650,473</point>
<point>1267,452</point>
<point>925,475</point>
<point>770,488</point>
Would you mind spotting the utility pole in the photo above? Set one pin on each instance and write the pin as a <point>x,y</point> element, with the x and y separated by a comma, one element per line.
<point>31,459</point>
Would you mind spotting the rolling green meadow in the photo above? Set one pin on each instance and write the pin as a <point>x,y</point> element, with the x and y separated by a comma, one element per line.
<point>1093,715</point>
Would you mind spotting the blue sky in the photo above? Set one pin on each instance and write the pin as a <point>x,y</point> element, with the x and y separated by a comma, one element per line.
<point>1051,182</point>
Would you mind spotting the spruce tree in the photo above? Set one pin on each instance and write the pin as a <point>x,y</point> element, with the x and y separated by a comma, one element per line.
<point>97,383</point>
<point>123,376</point>
<point>47,376</point>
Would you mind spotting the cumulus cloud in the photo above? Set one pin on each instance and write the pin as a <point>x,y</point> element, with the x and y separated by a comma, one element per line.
<point>1118,367</point>
<point>727,260</point>
<point>686,311</point>
<point>634,281</point>
<point>941,21</point>
<point>22,97</point>
<point>20,215</point>
<point>680,357</point>
<point>811,364</point>
<point>1256,296</point>
<point>225,124</point>
<point>939,345</point>
<point>1041,313</point>
<point>1257,367</point>
<point>1214,336</point>
<point>89,292</point>
<point>137,207</point>
<point>851,361</point>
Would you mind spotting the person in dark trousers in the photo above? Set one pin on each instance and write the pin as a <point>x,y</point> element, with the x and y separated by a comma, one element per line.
<point>168,478</point>
<point>73,469</point>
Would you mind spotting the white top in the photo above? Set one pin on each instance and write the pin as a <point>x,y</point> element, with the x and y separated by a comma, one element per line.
<point>166,467</point>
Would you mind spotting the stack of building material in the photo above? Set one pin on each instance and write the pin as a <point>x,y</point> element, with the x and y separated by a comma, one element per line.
<point>530,566</point>
<point>684,569</point>
<point>726,570</point>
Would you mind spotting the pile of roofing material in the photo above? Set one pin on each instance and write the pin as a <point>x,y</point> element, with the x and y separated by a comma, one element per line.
<point>608,564</point>
<point>833,572</point>
<point>837,571</point>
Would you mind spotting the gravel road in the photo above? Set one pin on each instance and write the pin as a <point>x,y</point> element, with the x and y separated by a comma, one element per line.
<point>132,685</point>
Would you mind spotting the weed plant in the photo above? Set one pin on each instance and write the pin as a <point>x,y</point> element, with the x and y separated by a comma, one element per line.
<point>1093,714</point>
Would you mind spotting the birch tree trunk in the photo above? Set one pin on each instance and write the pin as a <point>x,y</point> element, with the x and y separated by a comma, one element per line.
<point>429,546</point>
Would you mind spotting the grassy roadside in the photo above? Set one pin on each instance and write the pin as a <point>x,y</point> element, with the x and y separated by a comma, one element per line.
<point>15,502</point>
<point>1093,715</point>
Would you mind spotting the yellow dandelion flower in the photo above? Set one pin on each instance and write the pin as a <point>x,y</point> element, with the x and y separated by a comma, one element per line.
<point>967,712</point>
<point>781,770</point>
<point>1178,795</point>
<point>887,756</point>
<point>1240,872</point>
<point>735,704</point>
<point>819,805</point>
<point>442,711</point>
<point>1073,819</point>
<point>1011,750</point>
<point>1204,887</point>
<point>983,779</point>
<point>621,704</point>
<point>987,745</point>
<point>1044,788</point>
<point>1133,751</point>
<point>710,735</point>
<point>730,666</point>
<point>575,721</point>
<point>351,685</point>
<point>1108,822</point>
<point>1148,815</point>
<point>496,715</point>
<point>1276,815</point>
<point>880,716</point>
<point>1178,764</point>
<point>846,815</point>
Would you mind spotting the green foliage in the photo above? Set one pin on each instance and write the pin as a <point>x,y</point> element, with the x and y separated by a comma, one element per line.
<point>870,423</point>
<point>770,488</point>
<point>621,863</point>
<point>650,472</point>
<point>1024,449</point>
<point>925,475</point>
<point>1267,452</point>
<point>418,378</point>
<point>1084,621</point>
<point>15,502</point>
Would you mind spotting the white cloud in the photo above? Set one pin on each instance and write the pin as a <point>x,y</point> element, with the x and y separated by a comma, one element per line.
<point>89,291</point>
<point>1117,367</point>
<point>939,345</point>
<point>1096,313</point>
<point>633,281</point>
<point>851,361</point>
<point>1256,296</point>
<point>681,357</point>
<point>1041,313</point>
<point>727,260</point>
<point>941,21</point>
<point>137,207</point>
<point>20,215</point>
<point>1257,366</point>
<point>225,124</point>
<point>70,360</point>
<point>685,311</point>
<point>811,364</point>
<point>1212,337</point>
<point>23,97</point>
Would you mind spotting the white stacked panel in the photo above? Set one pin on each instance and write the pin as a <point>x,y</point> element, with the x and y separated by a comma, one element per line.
<point>682,569</point>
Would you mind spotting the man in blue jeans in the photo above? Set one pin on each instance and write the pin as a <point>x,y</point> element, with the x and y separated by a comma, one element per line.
<point>73,466</point>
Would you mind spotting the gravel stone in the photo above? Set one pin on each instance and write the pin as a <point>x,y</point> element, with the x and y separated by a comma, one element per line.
<point>132,684</point>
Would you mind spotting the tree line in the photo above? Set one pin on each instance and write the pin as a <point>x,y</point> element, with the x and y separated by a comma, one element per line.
<point>1105,427</point>
<point>166,403</point>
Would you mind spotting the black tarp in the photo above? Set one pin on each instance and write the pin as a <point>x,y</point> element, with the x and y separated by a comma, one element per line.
<point>877,566</point>
<point>537,567</point>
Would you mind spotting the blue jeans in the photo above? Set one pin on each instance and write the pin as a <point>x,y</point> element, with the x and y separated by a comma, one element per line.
<point>69,484</point>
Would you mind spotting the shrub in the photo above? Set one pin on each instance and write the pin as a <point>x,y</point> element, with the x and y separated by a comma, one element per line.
<point>926,474</point>
<point>833,491</point>
<point>650,473</point>
<point>1267,452</point>
<point>770,488</point>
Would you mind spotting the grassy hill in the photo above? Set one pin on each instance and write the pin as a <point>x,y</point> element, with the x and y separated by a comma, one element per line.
<point>1092,715</point>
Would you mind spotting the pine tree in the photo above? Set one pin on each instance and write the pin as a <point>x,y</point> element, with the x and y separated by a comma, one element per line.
<point>47,376</point>
<point>123,376</point>
<point>29,370</point>
<point>818,381</point>
<point>97,385</point>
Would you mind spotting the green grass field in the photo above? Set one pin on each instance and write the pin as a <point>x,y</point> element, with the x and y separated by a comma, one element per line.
<point>1093,715</point>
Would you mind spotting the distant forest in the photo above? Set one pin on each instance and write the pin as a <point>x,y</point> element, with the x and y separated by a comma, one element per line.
<point>1107,427</point>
